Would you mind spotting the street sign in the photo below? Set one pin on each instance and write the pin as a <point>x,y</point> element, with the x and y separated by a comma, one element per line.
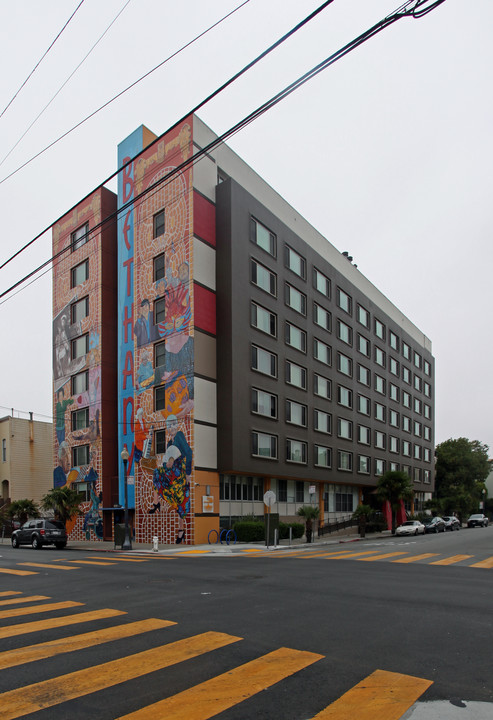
<point>269,498</point>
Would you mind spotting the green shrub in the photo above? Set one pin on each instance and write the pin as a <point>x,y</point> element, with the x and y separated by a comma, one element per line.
<point>248,531</point>
<point>298,530</point>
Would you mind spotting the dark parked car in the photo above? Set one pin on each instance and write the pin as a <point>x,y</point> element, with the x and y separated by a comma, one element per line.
<point>40,532</point>
<point>434,525</point>
<point>451,522</point>
<point>477,520</point>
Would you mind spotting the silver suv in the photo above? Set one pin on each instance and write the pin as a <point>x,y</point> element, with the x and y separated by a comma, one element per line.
<point>40,532</point>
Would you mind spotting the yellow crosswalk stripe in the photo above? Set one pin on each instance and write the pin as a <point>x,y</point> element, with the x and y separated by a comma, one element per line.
<point>11,571</point>
<point>192,552</point>
<point>381,557</point>
<point>10,592</point>
<point>487,563</point>
<point>415,558</point>
<point>119,559</point>
<point>29,699</point>
<point>224,691</point>
<point>31,653</point>
<point>91,562</point>
<point>383,695</point>
<point>49,607</point>
<point>25,599</point>
<point>48,565</point>
<point>451,560</point>
<point>61,621</point>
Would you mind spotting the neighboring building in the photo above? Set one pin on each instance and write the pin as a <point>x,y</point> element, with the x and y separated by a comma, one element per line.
<point>26,459</point>
<point>251,354</point>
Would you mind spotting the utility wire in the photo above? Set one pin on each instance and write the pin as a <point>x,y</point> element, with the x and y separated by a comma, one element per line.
<point>403,11</point>
<point>40,61</point>
<point>194,110</point>
<point>64,83</point>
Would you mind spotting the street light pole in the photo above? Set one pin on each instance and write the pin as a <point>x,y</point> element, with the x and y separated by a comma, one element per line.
<point>127,543</point>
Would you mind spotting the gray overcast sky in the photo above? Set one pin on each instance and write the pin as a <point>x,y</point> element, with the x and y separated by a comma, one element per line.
<point>388,153</point>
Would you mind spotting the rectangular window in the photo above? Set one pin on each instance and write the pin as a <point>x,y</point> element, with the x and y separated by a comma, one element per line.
<point>394,418</point>
<point>345,429</point>
<point>426,432</point>
<point>262,237</point>
<point>363,346</point>
<point>393,444</point>
<point>344,301</point>
<point>363,405</point>
<point>345,396</point>
<point>363,375</point>
<point>394,392</point>
<point>295,262</point>
<point>417,383</point>
<point>322,352</point>
<point>79,237</point>
<point>363,316</point>
<point>300,491</point>
<point>282,490</point>
<point>158,224</point>
<point>295,375</point>
<point>79,274</point>
<point>322,421</point>
<point>160,439</point>
<point>80,419</point>
<point>406,350</point>
<point>417,428</point>
<point>80,455</point>
<point>394,367</point>
<point>295,337</point>
<point>321,283</point>
<point>322,386</point>
<point>296,451</point>
<point>344,364</point>
<point>379,329</point>
<point>4,450</point>
<point>295,299</point>
<point>380,384</point>
<point>417,452</point>
<point>80,382</point>
<point>264,445</point>
<point>263,319</point>
<point>262,360</point>
<point>379,440</point>
<point>79,310</point>
<point>264,403</point>
<point>393,340</point>
<point>416,475</point>
<point>427,389</point>
<point>344,502</point>
<point>406,399</point>
<point>263,278</point>
<point>295,413</point>
<point>364,435</point>
<point>158,267</point>
<point>427,368</point>
<point>364,464</point>
<point>417,406</point>
<point>159,311</point>
<point>394,466</point>
<point>379,467</point>
<point>406,375</point>
<point>406,448</point>
<point>322,456</point>
<point>160,398</point>
<point>159,354</point>
<point>426,476</point>
<point>427,411</point>
<point>321,317</point>
<point>417,359</point>
<point>380,412</point>
<point>379,357</point>
<point>344,461</point>
<point>80,346</point>
<point>426,454</point>
<point>406,423</point>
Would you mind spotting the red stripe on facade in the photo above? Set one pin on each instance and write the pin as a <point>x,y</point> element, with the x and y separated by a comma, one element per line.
<point>204,309</point>
<point>204,219</point>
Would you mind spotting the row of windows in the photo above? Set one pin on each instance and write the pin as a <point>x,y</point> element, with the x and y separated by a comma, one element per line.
<point>266,279</point>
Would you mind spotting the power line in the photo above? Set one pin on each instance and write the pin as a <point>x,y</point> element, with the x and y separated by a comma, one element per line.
<point>40,60</point>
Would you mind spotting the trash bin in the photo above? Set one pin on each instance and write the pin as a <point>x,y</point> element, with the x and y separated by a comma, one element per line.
<point>119,534</point>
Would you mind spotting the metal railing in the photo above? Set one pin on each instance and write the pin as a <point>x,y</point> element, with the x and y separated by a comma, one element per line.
<point>336,526</point>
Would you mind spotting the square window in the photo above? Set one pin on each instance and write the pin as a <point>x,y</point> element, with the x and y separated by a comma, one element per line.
<point>263,237</point>
<point>264,445</point>
<point>295,337</point>
<point>80,455</point>
<point>296,451</point>
<point>263,278</point>
<point>264,403</point>
<point>158,224</point>
<point>295,262</point>
<point>295,375</point>
<point>344,460</point>
<point>263,319</point>
<point>80,419</point>
<point>79,237</point>
<point>79,274</point>
<point>322,456</point>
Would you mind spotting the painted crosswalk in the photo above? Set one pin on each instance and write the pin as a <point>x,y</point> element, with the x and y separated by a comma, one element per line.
<point>390,692</point>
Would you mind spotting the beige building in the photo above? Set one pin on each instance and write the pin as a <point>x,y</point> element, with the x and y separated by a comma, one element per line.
<point>26,458</point>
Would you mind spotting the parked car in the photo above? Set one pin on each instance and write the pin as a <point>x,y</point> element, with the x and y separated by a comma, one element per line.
<point>410,527</point>
<point>451,522</point>
<point>37,533</point>
<point>478,520</point>
<point>434,525</point>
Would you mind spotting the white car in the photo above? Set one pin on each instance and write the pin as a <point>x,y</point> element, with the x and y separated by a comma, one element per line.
<point>411,527</point>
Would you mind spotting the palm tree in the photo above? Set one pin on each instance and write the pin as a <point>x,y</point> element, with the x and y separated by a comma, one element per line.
<point>310,513</point>
<point>64,502</point>
<point>22,510</point>
<point>392,487</point>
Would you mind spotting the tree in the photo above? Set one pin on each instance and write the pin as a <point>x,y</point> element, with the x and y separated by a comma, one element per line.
<point>362,515</point>
<point>392,487</point>
<point>309,513</point>
<point>64,502</point>
<point>23,510</point>
<point>462,466</point>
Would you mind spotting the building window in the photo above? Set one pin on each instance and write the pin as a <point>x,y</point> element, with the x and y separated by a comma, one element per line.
<point>158,224</point>
<point>417,452</point>
<point>406,423</point>
<point>264,403</point>
<point>344,332</point>
<point>79,310</point>
<point>262,237</point>
<point>380,412</point>
<point>295,375</point>
<point>263,278</point>
<point>406,350</point>
<point>417,406</point>
<point>80,346</point>
<point>363,405</point>
<point>364,435</point>
<point>363,346</point>
<point>321,283</point>
<point>427,368</point>
<point>159,354</point>
<point>344,462</point>
<point>417,428</point>
<point>321,317</point>
<point>344,301</point>
<point>426,476</point>
<point>282,490</point>
<point>295,262</point>
<point>344,364</point>
<point>322,456</point>
<point>4,450</point>
<point>295,337</point>
<point>364,464</point>
<point>322,386</point>
<point>80,419</point>
<point>394,418</point>
<point>427,389</point>
<point>80,382</point>
<point>417,383</point>
<point>295,299</point>
<point>417,359</point>
<point>393,340</point>
<point>379,467</point>
<point>363,375</point>
<point>322,421</point>
<point>263,361</point>
<point>426,454</point>
<point>345,396</point>
<point>158,267</point>
<point>296,451</point>
<point>264,445</point>
<point>379,384</point>
<point>426,432</point>
<point>322,352</point>
<point>406,448</point>
<point>379,440</point>
<point>80,455</point>
<point>427,411</point>
<point>345,429</point>
<point>406,399</point>
<point>160,398</point>
<point>394,392</point>
<point>379,329</point>
<point>159,311</point>
<point>394,467</point>
<point>363,316</point>
<point>300,491</point>
<point>79,237</point>
<point>79,274</point>
<point>393,444</point>
<point>263,319</point>
<point>295,413</point>
<point>406,375</point>
<point>416,475</point>
<point>379,357</point>
<point>394,367</point>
